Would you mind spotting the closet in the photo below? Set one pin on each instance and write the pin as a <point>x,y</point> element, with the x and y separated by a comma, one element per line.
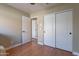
<point>58,30</point>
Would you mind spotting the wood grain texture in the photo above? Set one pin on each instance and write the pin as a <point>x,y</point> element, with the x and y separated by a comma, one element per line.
<point>33,49</point>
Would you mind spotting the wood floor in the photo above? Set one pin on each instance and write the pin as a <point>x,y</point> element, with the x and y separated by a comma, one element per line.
<point>33,49</point>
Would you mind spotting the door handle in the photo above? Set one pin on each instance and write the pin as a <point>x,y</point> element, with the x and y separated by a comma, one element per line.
<point>70,33</point>
<point>23,31</point>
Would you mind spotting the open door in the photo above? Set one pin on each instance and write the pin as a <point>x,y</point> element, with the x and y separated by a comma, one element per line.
<point>26,36</point>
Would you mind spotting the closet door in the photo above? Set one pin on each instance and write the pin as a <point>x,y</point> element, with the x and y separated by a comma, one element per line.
<point>64,30</point>
<point>49,30</point>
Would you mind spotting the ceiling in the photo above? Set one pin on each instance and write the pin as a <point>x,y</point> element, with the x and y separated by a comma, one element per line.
<point>28,8</point>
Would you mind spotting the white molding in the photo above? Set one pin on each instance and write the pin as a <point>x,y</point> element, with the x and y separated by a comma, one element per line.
<point>63,11</point>
<point>14,46</point>
<point>75,53</point>
<point>40,43</point>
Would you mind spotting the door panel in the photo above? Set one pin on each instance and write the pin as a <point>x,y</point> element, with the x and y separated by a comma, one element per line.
<point>49,30</point>
<point>64,30</point>
<point>25,30</point>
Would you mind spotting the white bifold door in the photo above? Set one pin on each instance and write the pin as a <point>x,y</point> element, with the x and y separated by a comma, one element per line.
<point>49,30</point>
<point>58,30</point>
<point>25,29</point>
<point>64,30</point>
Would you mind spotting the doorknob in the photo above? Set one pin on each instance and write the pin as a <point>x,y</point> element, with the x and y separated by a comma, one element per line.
<point>23,31</point>
<point>70,33</point>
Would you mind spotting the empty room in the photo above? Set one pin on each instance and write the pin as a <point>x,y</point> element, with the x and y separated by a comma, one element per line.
<point>39,29</point>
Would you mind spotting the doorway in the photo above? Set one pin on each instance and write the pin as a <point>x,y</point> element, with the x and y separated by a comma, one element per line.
<point>34,30</point>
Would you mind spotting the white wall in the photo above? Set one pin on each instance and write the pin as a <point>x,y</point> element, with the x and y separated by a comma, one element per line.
<point>61,7</point>
<point>10,24</point>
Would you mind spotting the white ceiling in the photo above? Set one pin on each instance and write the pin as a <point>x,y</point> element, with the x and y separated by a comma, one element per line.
<point>27,7</point>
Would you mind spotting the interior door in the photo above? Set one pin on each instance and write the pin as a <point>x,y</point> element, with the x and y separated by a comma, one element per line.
<point>49,30</point>
<point>25,29</point>
<point>64,30</point>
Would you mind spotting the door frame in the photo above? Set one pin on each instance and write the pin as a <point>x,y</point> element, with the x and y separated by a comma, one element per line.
<point>36,27</point>
<point>35,18</point>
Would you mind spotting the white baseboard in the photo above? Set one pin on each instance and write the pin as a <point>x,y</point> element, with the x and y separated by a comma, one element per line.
<point>40,43</point>
<point>14,46</point>
<point>75,53</point>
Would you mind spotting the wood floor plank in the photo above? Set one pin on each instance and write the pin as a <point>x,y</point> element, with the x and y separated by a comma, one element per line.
<point>33,49</point>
